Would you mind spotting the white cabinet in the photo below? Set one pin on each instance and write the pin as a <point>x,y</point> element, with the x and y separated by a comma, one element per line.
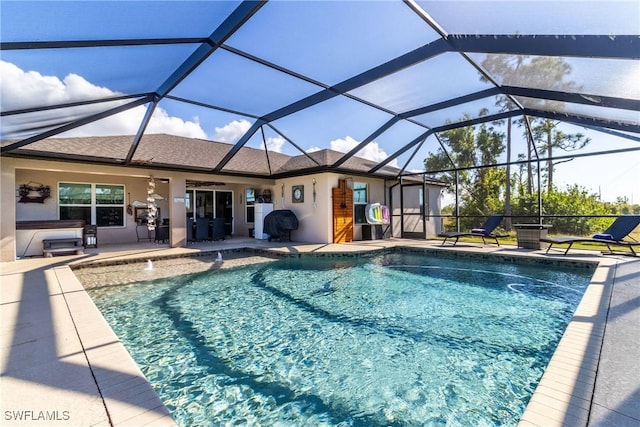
<point>261,210</point>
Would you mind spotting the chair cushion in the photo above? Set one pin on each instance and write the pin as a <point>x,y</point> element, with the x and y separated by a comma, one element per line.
<point>603,236</point>
<point>477,230</point>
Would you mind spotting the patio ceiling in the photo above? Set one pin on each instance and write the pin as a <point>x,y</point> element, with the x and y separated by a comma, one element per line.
<point>367,79</point>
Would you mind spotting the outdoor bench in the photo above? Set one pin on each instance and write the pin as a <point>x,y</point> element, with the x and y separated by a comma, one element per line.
<point>70,244</point>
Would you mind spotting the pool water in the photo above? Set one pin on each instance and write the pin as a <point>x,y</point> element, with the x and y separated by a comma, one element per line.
<point>397,339</point>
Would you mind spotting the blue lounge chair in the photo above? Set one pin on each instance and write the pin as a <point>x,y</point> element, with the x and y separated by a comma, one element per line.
<point>486,231</point>
<point>614,235</point>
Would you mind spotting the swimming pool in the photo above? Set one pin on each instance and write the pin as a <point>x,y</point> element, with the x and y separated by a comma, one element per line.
<point>395,339</point>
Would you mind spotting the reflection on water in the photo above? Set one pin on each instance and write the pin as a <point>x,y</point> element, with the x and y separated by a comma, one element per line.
<point>393,340</point>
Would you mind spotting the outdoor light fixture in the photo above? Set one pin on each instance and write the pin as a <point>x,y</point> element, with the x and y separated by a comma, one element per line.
<point>282,194</point>
<point>314,193</point>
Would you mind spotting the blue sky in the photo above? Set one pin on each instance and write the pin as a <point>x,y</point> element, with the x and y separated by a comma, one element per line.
<point>328,41</point>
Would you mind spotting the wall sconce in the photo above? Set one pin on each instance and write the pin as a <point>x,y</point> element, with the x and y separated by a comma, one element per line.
<point>129,207</point>
<point>314,193</point>
<point>282,194</point>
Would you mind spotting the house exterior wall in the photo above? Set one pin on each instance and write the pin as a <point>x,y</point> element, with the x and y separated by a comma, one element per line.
<point>315,217</point>
<point>135,190</point>
<point>8,216</point>
<point>16,171</point>
<point>376,194</point>
<point>314,213</point>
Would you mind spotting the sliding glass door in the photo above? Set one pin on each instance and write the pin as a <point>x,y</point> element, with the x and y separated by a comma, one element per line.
<point>211,204</point>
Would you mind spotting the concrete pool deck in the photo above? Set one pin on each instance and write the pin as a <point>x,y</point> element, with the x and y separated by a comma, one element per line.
<point>63,365</point>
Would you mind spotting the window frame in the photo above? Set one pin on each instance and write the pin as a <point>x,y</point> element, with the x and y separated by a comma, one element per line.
<point>359,207</point>
<point>93,205</point>
<point>249,208</point>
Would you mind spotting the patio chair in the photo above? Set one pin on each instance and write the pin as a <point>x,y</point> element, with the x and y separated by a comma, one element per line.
<point>202,229</point>
<point>614,235</point>
<point>190,230</point>
<point>484,232</point>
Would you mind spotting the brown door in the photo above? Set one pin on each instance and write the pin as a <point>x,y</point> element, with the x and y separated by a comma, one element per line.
<point>342,213</point>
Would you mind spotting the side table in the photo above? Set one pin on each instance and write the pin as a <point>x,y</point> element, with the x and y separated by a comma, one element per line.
<point>529,235</point>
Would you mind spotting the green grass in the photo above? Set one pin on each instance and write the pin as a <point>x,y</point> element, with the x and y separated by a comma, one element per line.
<point>512,240</point>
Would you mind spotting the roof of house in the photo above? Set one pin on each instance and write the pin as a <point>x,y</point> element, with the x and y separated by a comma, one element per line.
<point>176,152</point>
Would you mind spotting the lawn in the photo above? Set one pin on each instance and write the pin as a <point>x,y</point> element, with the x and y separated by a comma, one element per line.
<point>512,241</point>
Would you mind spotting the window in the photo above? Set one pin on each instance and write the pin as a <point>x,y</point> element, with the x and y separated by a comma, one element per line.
<point>250,198</point>
<point>360,200</point>
<point>188,197</point>
<point>100,204</point>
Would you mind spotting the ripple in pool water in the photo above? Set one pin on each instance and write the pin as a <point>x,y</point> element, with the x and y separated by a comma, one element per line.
<point>390,340</point>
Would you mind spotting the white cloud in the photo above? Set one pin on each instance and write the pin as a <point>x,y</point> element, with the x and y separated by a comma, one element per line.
<point>371,151</point>
<point>235,129</point>
<point>232,132</point>
<point>344,145</point>
<point>164,123</point>
<point>275,144</point>
<point>28,89</point>
<point>20,89</point>
<point>312,149</point>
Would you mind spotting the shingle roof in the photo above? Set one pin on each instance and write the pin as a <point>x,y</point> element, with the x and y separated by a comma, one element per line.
<point>176,152</point>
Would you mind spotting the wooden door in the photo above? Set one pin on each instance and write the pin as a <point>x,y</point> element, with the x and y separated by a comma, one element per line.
<point>342,213</point>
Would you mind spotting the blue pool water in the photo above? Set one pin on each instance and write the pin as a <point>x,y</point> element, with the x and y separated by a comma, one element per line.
<point>397,339</point>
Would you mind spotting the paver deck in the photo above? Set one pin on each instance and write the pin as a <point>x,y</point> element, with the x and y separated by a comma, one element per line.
<point>63,365</point>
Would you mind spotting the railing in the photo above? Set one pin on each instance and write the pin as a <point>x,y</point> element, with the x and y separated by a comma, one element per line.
<point>561,224</point>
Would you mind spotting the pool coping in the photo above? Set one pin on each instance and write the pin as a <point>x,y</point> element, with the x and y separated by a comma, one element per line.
<point>563,397</point>
<point>565,391</point>
<point>129,399</point>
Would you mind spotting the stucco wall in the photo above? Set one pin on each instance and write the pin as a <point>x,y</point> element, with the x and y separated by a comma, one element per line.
<point>22,171</point>
<point>135,190</point>
<point>316,217</point>
<point>8,199</point>
<point>314,213</point>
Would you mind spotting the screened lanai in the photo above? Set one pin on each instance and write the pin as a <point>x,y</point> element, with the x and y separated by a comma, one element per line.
<point>386,81</point>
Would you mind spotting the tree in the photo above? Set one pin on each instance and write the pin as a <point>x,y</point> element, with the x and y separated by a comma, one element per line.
<point>470,151</point>
<point>622,206</point>
<point>575,200</point>
<point>541,72</point>
<point>548,137</point>
<point>469,148</point>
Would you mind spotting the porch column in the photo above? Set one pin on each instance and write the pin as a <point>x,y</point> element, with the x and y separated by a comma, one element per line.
<point>8,217</point>
<point>177,212</point>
